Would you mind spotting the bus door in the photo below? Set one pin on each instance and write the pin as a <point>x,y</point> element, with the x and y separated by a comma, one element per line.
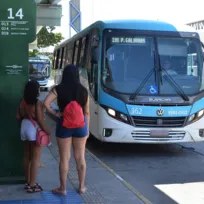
<point>93,86</point>
<point>94,100</point>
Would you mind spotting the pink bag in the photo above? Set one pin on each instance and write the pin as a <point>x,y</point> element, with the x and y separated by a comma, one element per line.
<point>42,138</point>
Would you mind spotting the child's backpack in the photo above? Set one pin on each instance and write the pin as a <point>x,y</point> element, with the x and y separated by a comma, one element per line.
<point>73,116</point>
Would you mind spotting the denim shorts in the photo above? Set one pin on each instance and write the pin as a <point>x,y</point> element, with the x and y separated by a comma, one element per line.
<point>63,132</point>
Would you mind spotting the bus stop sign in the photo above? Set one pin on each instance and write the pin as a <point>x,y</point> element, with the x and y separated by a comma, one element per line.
<point>18,20</point>
<point>17,30</point>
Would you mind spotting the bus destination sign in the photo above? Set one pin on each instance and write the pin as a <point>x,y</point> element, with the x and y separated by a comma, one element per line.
<point>128,40</point>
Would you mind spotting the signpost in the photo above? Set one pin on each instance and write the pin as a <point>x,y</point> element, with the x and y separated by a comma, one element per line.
<point>17,30</point>
<point>75,16</point>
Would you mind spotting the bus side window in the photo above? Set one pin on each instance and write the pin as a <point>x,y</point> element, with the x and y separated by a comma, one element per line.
<point>69,56</point>
<point>69,53</point>
<point>94,47</point>
<point>75,54</point>
<point>62,58</point>
<point>57,59</point>
<point>83,54</point>
<point>54,59</point>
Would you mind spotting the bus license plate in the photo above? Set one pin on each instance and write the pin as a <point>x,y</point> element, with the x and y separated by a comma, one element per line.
<point>159,133</point>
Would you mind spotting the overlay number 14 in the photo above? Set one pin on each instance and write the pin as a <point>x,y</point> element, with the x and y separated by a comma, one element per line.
<point>19,14</point>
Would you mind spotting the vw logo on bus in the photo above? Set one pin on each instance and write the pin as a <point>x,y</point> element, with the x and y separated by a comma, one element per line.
<point>160,112</point>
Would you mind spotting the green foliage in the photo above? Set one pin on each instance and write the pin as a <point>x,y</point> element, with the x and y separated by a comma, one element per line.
<point>47,38</point>
<point>53,73</point>
<point>33,53</point>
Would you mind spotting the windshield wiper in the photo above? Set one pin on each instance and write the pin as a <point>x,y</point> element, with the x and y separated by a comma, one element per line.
<point>170,79</point>
<point>132,97</point>
<point>174,84</point>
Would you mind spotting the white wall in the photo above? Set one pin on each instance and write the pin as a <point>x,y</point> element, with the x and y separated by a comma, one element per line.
<point>201,33</point>
<point>87,12</point>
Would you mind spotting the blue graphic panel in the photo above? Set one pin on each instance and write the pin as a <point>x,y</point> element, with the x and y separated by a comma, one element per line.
<point>157,111</point>
<point>149,111</point>
<point>199,105</point>
<point>33,202</point>
<point>112,102</point>
<point>10,202</point>
<point>72,198</point>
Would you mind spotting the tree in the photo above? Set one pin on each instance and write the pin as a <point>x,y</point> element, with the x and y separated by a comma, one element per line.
<point>33,53</point>
<point>47,38</point>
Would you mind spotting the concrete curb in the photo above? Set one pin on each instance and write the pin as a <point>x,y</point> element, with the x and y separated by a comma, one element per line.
<point>124,182</point>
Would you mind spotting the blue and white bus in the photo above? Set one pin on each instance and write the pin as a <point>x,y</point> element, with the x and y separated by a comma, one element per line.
<point>40,70</point>
<point>143,85</point>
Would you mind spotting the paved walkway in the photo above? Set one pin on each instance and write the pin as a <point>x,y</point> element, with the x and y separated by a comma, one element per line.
<point>103,185</point>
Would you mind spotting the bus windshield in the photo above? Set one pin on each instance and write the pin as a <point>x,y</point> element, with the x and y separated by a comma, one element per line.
<point>129,60</point>
<point>39,70</point>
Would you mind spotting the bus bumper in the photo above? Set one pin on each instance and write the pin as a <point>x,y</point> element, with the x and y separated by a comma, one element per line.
<point>124,133</point>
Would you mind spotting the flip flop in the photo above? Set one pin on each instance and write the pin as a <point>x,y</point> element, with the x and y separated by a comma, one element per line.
<point>59,192</point>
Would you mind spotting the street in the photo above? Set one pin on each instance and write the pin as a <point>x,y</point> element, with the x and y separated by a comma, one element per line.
<point>161,173</point>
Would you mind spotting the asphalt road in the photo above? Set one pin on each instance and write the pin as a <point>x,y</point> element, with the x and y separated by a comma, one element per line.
<point>164,174</point>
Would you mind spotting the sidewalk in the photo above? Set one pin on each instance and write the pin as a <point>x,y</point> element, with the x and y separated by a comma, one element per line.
<point>103,186</point>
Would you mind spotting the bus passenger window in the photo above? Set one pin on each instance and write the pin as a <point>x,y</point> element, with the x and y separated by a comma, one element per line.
<point>69,56</point>
<point>82,54</point>
<point>64,57</point>
<point>59,59</point>
<point>76,48</point>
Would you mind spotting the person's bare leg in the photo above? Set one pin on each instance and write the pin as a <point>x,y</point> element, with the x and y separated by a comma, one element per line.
<point>65,154</point>
<point>79,145</point>
<point>35,160</point>
<point>26,160</point>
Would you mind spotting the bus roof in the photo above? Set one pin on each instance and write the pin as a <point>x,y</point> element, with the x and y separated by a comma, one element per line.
<point>153,25</point>
<point>147,25</point>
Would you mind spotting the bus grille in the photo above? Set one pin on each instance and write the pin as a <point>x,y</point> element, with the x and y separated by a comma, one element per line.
<point>145,136</point>
<point>158,121</point>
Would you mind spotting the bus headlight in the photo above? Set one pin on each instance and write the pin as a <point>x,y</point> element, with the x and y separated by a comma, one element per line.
<point>191,117</point>
<point>123,116</point>
<point>117,115</point>
<point>196,116</point>
<point>111,112</point>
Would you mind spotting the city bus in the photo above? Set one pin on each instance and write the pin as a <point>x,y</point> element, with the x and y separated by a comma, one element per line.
<point>40,70</point>
<point>142,84</point>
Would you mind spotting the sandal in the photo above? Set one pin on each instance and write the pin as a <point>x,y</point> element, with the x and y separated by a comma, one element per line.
<point>27,186</point>
<point>34,189</point>
<point>59,192</point>
<point>82,191</point>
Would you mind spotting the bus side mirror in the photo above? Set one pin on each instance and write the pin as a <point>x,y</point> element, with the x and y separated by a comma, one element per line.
<point>95,55</point>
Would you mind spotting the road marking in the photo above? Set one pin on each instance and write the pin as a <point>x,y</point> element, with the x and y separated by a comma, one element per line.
<point>124,182</point>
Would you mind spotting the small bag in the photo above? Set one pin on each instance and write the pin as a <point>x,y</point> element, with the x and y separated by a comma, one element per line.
<point>73,116</point>
<point>42,138</point>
